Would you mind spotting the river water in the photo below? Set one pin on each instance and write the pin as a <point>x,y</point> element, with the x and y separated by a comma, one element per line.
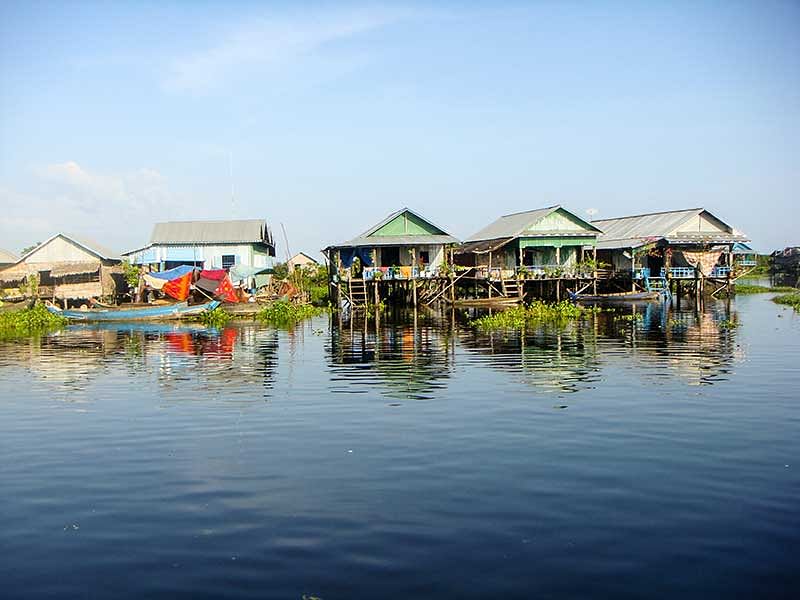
<point>646,456</point>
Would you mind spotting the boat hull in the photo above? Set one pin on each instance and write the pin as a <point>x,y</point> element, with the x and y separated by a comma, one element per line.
<point>611,298</point>
<point>151,313</point>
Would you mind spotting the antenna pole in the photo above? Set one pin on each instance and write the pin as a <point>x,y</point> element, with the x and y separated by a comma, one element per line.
<point>230,171</point>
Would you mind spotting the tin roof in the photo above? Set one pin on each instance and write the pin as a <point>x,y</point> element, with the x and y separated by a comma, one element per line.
<point>515,224</point>
<point>637,230</point>
<point>99,250</point>
<point>367,239</point>
<point>246,231</point>
<point>7,257</point>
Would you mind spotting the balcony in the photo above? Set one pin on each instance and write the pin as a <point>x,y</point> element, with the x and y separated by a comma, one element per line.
<point>679,272</point>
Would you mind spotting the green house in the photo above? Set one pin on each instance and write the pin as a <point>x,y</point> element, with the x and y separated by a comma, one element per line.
<point>544,238</point>
<point>402,239</point>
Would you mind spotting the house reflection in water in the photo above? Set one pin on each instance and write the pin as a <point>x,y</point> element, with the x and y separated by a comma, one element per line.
<point>410,356</point>
<point>548,358</point>
<point>187,361</point>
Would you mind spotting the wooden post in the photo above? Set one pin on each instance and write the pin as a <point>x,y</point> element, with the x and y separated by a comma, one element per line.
<point>558,277</point>
<point>489,274</point>
<point>594,275</point>
<point>377,293</point>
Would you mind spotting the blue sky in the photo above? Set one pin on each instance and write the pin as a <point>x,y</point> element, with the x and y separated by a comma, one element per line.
<point>328,117</point>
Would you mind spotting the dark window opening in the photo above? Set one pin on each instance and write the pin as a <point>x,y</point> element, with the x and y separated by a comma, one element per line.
<point>424,257</point>
<point>228,260</point>
<point>390,257</point>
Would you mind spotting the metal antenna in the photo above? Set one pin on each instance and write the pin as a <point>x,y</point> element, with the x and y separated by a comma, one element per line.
<point>233,196</point>
<point>286,239</point>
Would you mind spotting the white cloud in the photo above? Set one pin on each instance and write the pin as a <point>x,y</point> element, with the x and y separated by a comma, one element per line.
<point>264,45</point>
<point>117,210</point>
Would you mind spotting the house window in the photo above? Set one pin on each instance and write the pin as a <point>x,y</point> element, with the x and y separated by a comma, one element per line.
<point>228,260</point>
<point>424,257</point>
<point>390,256</point>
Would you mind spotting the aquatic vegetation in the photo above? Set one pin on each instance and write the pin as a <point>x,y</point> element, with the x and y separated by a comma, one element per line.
<point>746,288</point>
<point>518,317</point>
<point>29,321</point>
<point>218,317</point>
<point>283,313</point>
<point>792,300</point>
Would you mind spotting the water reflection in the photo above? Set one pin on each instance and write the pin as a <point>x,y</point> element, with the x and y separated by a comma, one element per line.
<point>404,355</point>
<point>182,360</point>
<point>410,355</point>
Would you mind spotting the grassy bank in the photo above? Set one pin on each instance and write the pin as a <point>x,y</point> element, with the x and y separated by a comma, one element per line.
<point>29,321</point>
<point>792,300</point>
<point>519,317</point>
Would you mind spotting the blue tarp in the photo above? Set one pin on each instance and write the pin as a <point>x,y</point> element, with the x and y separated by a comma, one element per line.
<point>173,273</point>
<point>240,272</point>
<point>348,254</point>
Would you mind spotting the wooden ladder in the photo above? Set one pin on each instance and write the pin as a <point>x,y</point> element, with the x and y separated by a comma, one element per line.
<point>358,293</point>
<point>511,288</point>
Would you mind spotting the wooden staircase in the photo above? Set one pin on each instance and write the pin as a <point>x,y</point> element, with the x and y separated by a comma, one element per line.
<point>358,293</point>
<point>512,288</point>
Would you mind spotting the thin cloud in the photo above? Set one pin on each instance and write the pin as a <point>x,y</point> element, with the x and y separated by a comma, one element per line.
<point>269,44</point>
<point>117,209</point>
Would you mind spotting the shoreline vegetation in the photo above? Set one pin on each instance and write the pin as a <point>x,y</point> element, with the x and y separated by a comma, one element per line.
<point>792,299</point>
<point>28,321</point>
<point>748,288</point>
<point>537,312</point>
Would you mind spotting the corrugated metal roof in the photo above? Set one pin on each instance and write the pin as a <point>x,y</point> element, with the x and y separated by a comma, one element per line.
<point>510,226</point>
<point>246,231</point>
<point>657,225</point>
<point>98,249</point>
<point>398,240</point>
<point>515,224</point>
<point>7,257</point>
<point>638,230</point>
<point>90,246</point>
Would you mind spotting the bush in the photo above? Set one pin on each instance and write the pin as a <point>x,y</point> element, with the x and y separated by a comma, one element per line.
<point>519,317</point>
<point>29,321</point>
<point>283,313</point>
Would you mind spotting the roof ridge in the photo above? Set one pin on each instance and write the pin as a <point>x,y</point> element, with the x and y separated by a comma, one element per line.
<point>522,212</point>
<point>658,212</point>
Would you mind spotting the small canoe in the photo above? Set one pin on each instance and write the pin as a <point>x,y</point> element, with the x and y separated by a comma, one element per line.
<point>620,297</point>
<point>178,310</point>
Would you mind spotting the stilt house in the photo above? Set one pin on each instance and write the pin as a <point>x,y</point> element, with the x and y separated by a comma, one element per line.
<point>681,244</point>
<point>404,245</point>
<point>546,242</point>
<point>66,268</point>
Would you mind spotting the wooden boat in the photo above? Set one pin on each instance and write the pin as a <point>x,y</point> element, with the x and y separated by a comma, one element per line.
<point>178,310</point>
<point>487,302</point>
<point>618,297</point>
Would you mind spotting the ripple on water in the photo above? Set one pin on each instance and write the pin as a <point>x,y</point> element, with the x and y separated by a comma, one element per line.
<point>412,457</point>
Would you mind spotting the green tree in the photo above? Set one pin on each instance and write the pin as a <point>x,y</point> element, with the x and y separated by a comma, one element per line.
<point>27,249</point>
<point>280,271</point>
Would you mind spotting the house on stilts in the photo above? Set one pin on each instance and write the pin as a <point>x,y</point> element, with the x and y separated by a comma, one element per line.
<point>687,250</point>
<point>403,259</point>
<point>66,269</point>
<point>539,252</point>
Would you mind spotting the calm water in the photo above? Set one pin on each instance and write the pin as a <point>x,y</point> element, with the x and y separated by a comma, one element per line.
<point>655,457</point>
